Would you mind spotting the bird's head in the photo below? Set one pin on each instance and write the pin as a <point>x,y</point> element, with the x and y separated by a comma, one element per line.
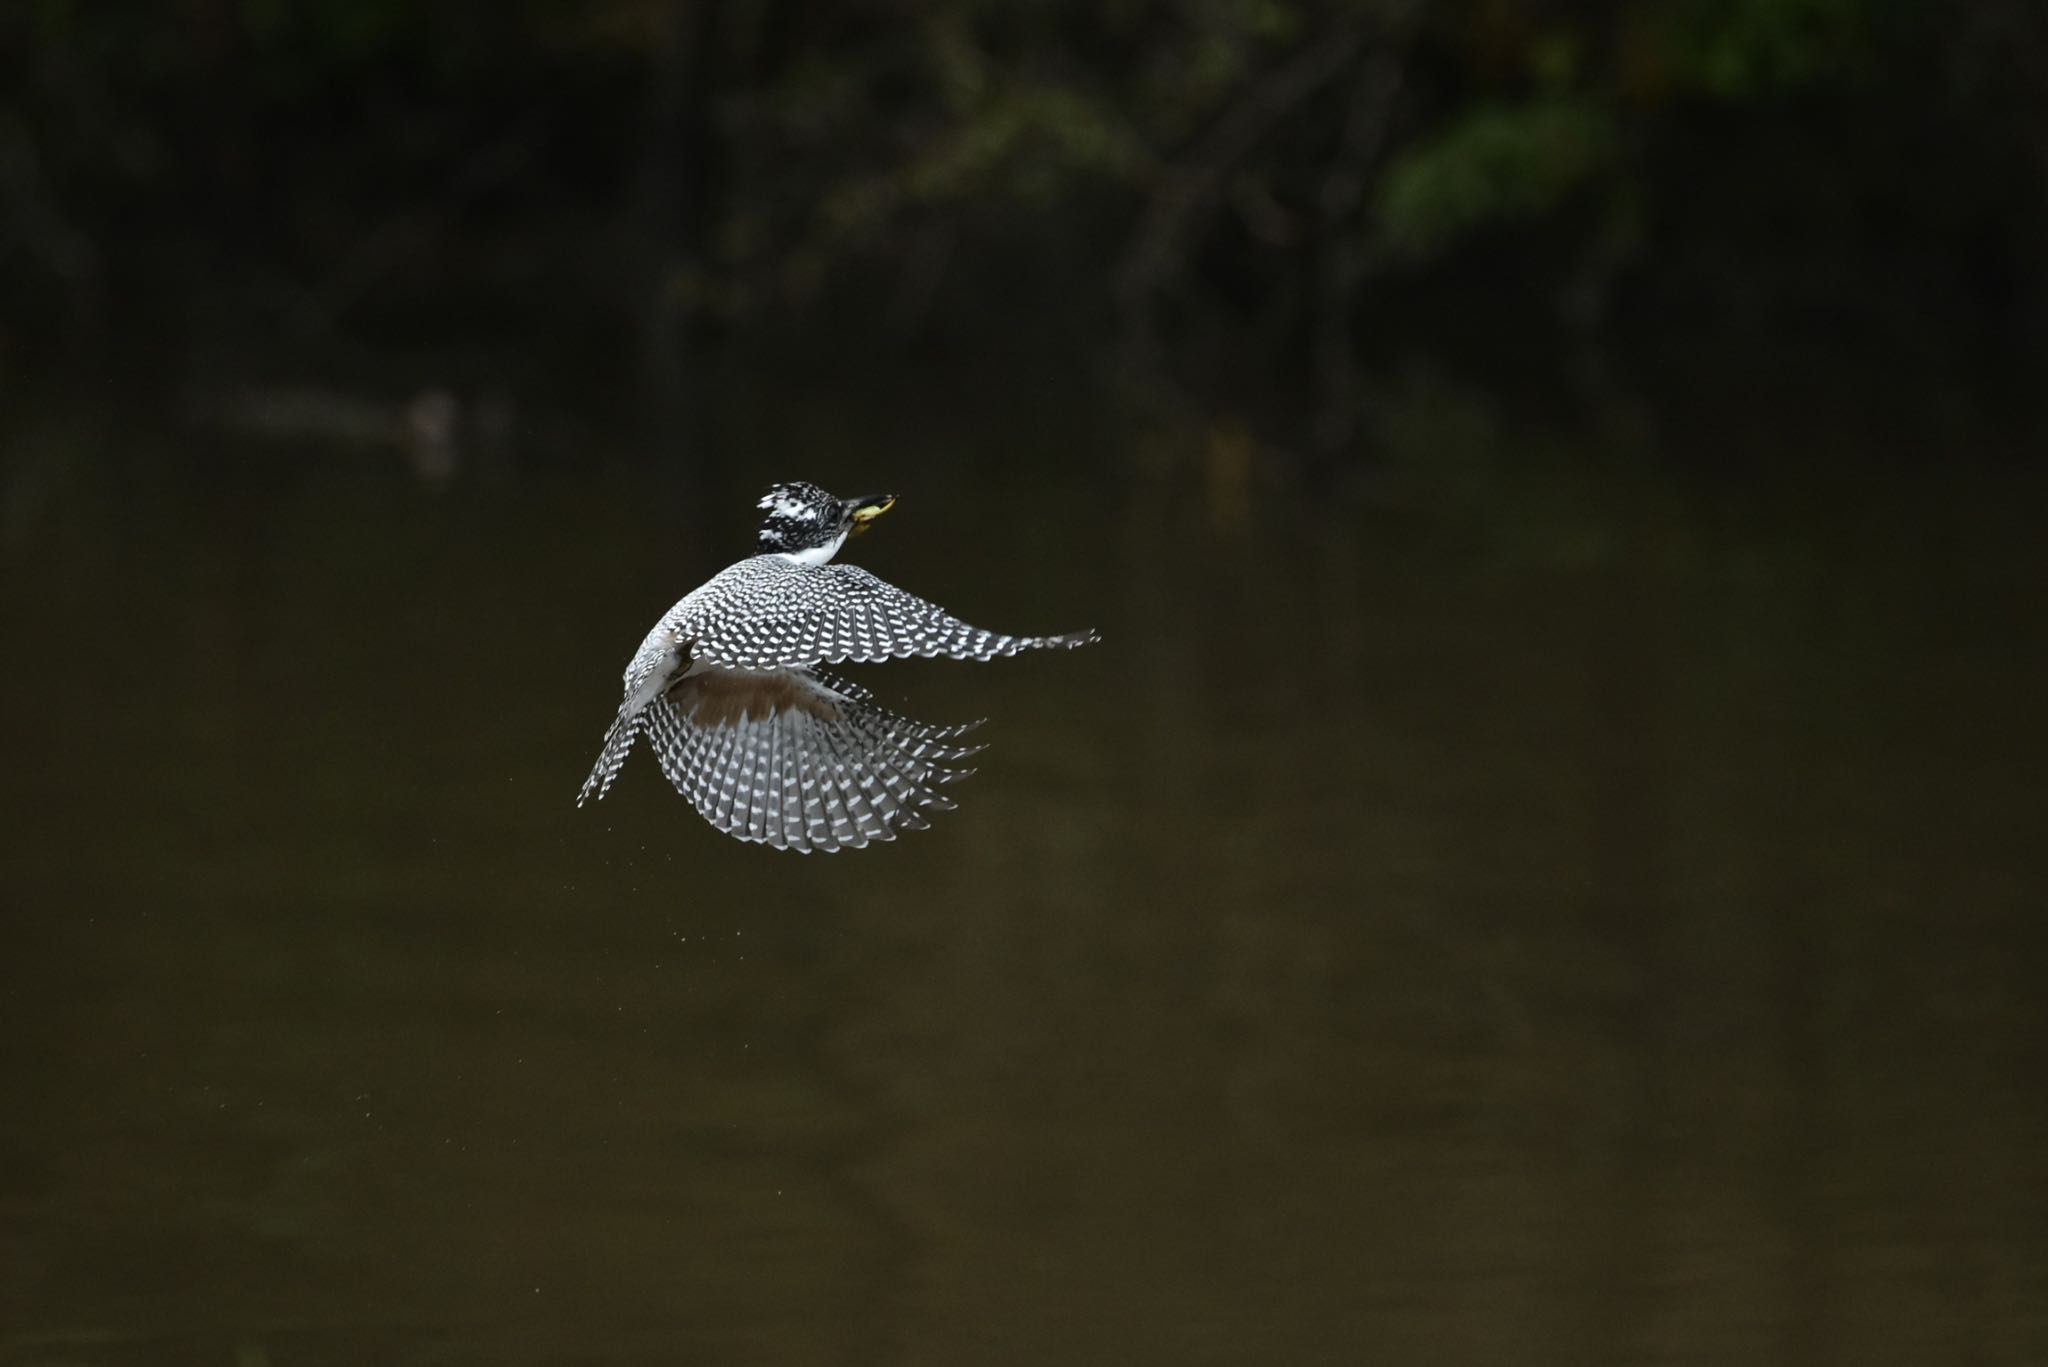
<point>809,525</point>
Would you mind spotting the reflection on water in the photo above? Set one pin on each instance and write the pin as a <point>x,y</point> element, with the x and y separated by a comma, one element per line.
<point>1620,944</point>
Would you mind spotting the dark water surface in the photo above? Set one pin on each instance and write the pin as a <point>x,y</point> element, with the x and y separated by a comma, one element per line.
<point>1609,932</point>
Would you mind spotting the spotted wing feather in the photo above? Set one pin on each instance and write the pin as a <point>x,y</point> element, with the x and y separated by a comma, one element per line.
<point>611,757</point>
<point>840,613</point>
<point>786,760</point>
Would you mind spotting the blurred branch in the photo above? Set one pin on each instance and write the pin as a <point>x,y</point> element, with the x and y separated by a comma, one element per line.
<point>1188,191</point>
<point>666,188</point>
<point>1341,269</point>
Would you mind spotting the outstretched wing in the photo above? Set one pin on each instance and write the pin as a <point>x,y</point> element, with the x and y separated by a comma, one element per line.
<point>836,614</point>
<point>618,743</point>
<point>784,758</point>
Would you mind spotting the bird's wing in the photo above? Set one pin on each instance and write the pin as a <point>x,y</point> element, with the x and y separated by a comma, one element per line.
<point>782,758</point>
<point>618,743</point>
<point>835,614</point>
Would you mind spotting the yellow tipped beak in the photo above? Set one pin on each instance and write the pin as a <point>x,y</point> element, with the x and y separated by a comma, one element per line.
<point>868,509</point>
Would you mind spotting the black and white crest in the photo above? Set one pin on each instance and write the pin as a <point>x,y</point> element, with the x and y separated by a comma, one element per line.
<point>800,517</point>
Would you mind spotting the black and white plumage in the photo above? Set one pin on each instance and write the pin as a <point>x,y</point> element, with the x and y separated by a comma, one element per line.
<point>768,747</point>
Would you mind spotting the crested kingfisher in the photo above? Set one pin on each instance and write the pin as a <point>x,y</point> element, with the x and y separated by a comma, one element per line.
<point>728,690</point>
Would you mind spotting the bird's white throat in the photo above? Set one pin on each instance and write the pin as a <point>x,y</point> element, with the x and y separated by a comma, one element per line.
<point>816,555</point>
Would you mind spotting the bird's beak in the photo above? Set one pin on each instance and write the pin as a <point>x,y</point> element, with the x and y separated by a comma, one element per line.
<point>862,511</point>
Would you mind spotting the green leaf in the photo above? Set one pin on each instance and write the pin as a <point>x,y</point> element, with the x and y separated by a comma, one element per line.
<point>1499,163</point>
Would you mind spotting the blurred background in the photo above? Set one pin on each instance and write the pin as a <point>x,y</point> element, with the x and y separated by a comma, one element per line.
<point>1545,865</point>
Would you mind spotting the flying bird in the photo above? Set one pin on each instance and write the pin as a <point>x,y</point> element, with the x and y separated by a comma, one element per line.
<point>765,744</point>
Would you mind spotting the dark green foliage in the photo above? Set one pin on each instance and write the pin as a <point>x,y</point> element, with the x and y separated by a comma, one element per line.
<point>1262,170</point>
<point>1495,164</point>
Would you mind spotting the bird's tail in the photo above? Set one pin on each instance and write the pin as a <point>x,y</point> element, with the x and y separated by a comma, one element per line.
<point>618,743</point>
